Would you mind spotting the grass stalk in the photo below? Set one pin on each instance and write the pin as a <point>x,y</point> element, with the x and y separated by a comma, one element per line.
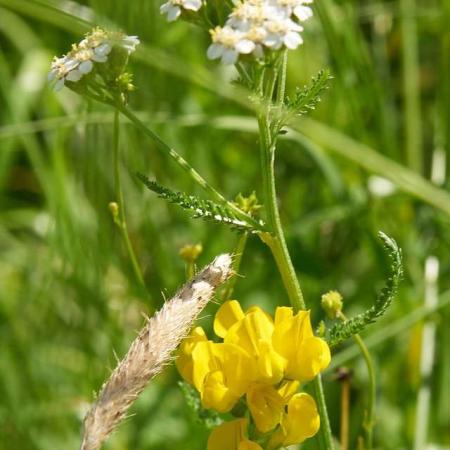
<point>121,220</point>
<point>411,87</point>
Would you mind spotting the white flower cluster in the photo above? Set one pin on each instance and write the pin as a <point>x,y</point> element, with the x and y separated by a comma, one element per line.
<point>173,8</point>
<point>254,25</point>
<point>94,48</point>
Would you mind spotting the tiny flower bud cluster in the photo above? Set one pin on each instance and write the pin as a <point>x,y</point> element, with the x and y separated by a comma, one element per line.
<point>94,48</point>
<point>256,25</point>
<point>174,8</point>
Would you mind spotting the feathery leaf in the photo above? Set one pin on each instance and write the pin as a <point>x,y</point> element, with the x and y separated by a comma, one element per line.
<point>204,209</point>
<point>342,331</point>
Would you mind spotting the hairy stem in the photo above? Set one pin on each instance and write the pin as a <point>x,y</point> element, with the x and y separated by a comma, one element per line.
<point>275,239</point>
<point>122,222</point>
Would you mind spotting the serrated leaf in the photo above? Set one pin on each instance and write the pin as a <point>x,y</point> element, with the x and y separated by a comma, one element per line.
<point>342,331</point>
<point>204,209</point>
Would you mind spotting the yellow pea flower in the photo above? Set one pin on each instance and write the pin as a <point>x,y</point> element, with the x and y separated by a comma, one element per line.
<point>231,436</point>
<point>227,315</point>
<point>184,361</point>
<point>266,406</point>
<point>293,338</point>
<point>221,373</point>
<point>301,422</point>
<point>253,333</point>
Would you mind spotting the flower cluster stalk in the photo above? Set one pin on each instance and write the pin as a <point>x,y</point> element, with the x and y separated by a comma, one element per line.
<point>122,222</point>
<point>276,239</point>
<point>195,176</point>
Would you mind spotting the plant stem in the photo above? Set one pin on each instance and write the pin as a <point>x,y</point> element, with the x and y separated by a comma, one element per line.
<point>369,414</point>
<point>276,239</point>
<point>238,252</point>
<point>186,166</point>
<point>122,222</point>
<point>345,403</point>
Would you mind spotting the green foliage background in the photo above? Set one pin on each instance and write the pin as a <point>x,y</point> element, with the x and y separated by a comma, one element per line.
<point>68,297</point>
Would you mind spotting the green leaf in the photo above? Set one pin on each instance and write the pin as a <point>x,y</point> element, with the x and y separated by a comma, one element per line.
<point>307,98</point>
<point>204,209</point>
<point>342,331</point>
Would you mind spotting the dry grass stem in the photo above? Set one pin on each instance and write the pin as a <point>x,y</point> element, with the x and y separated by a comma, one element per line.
<point>150,351</point>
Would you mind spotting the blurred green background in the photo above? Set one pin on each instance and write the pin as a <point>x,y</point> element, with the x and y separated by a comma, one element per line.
<point>68,296</point>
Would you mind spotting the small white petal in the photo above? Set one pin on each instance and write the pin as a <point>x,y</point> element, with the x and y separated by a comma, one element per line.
<point>99,59</point>
<point>193,5</point>
<point>58,85</point>
<point>272,41</point>
<point>74,75</point>
<point>292,40</point>
<point>230,56</point>
<point>303,12</point>
<point>103,49</point>
<point>51,75</point>
<point>85,67</point>
<point>173,13</point>
<point>245,46</point>
<point>70,63</point>
<point>214,51</point>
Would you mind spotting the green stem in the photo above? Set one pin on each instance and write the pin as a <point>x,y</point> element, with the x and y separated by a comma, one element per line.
<point>276,239</point>
<point>238,252</point>
<point>186,166</point>
<point>369,414</point>
<point>122,222</point>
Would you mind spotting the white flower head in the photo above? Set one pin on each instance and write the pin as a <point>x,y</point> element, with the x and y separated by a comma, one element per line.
<point>258,26</point>
<point>174,8</point>
<point>94,48</point>
<point>228,43</point>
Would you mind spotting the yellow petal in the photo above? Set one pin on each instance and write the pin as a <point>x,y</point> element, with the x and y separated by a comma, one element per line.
<point>269,363</point>
<point>249,445</point>
<point>288,389</point>
<point>301,422</point>
<point>227,315</point>
<point>227,436</point>
<point>248,332</point>
<point>266,406</point>
<point>293,339</point>
<point>204,361</point>
<point>221,373</point>
<point>313,356</point>
<point>184,361</point>
<point>216,394</point>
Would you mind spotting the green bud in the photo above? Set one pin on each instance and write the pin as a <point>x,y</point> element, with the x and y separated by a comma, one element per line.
<point>332,304</point>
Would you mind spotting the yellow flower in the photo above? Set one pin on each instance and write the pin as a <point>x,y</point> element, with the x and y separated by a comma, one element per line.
<point>221,373</point>
<point>184,361</point>
<point>266,406</point>
<point>301,422</point>
<point>293,338</point>
<point>231,436</point>
<point>252,332</point>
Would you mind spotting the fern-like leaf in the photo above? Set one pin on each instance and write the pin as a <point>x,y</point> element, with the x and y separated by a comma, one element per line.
<point>307,98</point>
<point>342,331</point>
<point>204,209</point>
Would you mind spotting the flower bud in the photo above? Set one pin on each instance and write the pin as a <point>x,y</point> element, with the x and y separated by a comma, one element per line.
<point>190,253</point>
<point>332,304</point>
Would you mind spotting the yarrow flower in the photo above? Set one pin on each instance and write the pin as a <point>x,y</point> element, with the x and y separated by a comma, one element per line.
<point>174,8</point>
<point>255,25</point>
<point>263,359</point>
<point>96,47</point>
